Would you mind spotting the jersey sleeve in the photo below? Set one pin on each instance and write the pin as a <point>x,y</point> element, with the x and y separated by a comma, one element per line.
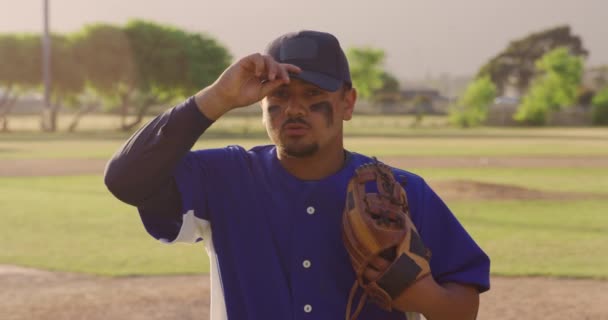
<point>142,171</point>
<point>456,257</point>
<point>200,179</point>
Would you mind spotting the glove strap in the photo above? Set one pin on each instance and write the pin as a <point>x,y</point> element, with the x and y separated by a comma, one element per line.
<point>360,305</point>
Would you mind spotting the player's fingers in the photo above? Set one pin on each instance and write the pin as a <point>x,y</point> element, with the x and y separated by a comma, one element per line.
<point>376,267</point>
<point>258,64</point>
<point>286,69</point>
<point>371,274</point>
<point>291,68</point>
<point>252,64</point>
<point>272,68</point>
<point>283,74</point>
<point>379,263</point>
<point>268,86</point>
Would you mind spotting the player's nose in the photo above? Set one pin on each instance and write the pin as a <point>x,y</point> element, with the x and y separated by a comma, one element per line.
<point>295,108</point>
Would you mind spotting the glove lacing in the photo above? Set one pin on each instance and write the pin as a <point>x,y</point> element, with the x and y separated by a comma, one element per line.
<point>360,305</point>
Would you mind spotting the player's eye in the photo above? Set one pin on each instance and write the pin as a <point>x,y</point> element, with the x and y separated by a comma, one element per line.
<point>273,108</point>
<point>312,92</point>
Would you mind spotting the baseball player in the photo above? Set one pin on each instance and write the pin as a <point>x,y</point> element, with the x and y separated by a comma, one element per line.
<point>273,217</point>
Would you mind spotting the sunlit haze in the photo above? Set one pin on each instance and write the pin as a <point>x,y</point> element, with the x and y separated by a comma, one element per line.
<point>421,38</point>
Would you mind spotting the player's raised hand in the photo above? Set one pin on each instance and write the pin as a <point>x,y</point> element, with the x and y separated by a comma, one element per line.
<point>243,83</point>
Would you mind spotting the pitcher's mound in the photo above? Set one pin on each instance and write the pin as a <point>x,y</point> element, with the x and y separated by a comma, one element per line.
<point>473,190</point>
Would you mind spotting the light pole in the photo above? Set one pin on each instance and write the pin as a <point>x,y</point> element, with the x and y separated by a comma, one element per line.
<point>46,70</point>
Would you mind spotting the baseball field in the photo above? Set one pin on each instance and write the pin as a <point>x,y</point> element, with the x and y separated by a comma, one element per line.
<point>536,199</point>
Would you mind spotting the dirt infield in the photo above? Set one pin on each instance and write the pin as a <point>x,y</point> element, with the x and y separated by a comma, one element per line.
<point>50,167</point>
<point>35,294</point>
<point>449,190</point>
<point>32,294</point>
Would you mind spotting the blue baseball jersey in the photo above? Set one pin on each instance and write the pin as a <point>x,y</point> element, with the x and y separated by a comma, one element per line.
<point>274,241</point>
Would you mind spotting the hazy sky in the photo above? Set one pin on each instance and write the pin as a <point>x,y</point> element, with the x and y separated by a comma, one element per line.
<point>420,37</point>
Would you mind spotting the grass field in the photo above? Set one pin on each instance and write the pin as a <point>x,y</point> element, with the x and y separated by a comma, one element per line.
<point>555,238</point>
<point>73,224</point>
<point>588,180</point>
<point>86,148</point>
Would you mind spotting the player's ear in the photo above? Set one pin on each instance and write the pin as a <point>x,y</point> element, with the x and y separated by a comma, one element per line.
<point>349,100</point>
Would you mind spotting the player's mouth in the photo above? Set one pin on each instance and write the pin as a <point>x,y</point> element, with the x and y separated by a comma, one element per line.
<point>295,127</point>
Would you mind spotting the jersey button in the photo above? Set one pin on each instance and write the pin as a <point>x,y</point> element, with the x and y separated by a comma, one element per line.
<point>306,264</point>
<point>310,210</point>
<point>308,308</point>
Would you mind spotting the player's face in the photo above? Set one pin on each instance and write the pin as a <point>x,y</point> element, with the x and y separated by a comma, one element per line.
<point>303,119</point>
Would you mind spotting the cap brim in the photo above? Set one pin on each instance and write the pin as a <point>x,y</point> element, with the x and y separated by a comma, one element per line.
<point>318,79</point>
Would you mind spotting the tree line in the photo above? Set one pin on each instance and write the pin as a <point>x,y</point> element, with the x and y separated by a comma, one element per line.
<point>544,68</point>
<point>124,69</point>
<point>130,68</point>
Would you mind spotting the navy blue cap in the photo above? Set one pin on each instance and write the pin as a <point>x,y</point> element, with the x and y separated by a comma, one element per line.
<point>318,54</point>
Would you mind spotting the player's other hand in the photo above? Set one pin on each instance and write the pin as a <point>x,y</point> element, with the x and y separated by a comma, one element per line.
<point>412,298</point>
<point>243,83</point>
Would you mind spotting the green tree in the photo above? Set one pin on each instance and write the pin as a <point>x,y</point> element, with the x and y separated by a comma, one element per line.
<point>421,103</point>
<point>107,60</point>
<point>472,108</point>
<point>207,59</point>
<point>390,84</point>
<point>169,64</point>
<point>366,70</point>
<point>390,92</point>
<point>555,88</point>
<point>584,96</point>
<point>515,65</point>
<point>599,111</point>
<point>20,64</point>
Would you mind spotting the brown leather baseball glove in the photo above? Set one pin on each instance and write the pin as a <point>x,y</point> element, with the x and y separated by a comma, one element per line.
<point>376,224</point>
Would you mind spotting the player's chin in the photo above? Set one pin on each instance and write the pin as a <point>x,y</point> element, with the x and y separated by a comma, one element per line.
<point>300,150</point>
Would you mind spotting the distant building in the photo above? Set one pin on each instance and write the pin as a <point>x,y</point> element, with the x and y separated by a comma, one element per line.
<point>27,104</point>
<point>504,108</point>
<point>502,111</point>
<point>575,116</point>
<point>413,101</point>
<point>596,78</point>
